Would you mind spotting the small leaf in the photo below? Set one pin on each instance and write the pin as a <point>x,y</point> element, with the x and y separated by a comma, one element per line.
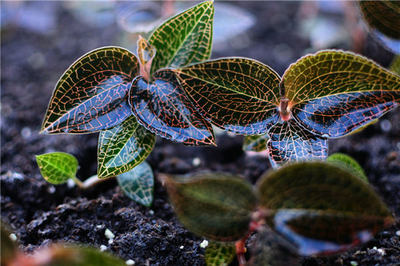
<point>163,108</point>
<point>92,94</point>
<point>237,94</point>
<point>57,167</point>
<point>383,15</point>
<point>138,184</point>
<point>185,38</point>
<point>322,208</point>
<point>123,147</point>
<point>348,162</point>
<point>219,254</point>
<point>333,93</point>
<point>289,142</point>
<point>216,206</point>
<point>255,143</point>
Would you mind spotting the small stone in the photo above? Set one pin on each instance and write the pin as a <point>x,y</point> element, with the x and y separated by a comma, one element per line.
<point>110,241</point>
<point>109,234</point>
<point>196,161</point>
<point>99,226</point>
<point>386,126</point>
<point>398,233</point>
<point>26,132</point>
<point>51,189</point>
<point>130,262</point>
<point>151,212</point>
<point>103,248</point>
<point>353,263</point>
<point>13,237</point>
<point>71,183</point>
<point>204,244</point>
<point>181,247</point>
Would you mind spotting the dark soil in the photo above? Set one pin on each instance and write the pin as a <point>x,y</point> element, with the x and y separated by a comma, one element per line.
<point>41,213</point>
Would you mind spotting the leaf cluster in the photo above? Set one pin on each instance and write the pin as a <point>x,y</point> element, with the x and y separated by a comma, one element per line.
<point>317,208</point>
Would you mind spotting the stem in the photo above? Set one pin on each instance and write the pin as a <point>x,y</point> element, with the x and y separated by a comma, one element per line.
<point>90,182</point>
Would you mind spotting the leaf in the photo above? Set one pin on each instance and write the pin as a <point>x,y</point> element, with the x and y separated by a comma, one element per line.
<point>322,208</point>
<point>350,164</point>
<point>138,184</point>
<point>237,94</point>
<point>216,206</point>
<point>332,93</point>
<point>219,254</point>
<point>255,143</point>
<point>123,147</point>
<point>92,94</point>
<point>289,142</point>
<point>185,38</point>
<point>163,108</point>
<point>57,167</point>
<point>383,15</point>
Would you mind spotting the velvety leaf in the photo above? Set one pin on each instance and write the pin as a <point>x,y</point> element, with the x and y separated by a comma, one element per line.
<point>185,38</point>
<point>163,108</point>
<point>92,94</point>
<point>322,208</point>
<point>138,184</point>
<point>216,206</point>
<point>57,167</point>
<point>237,94</point>
<point>289,142</point>
<point>348,162</point>
<point>8,247</point>
<point>383,15</point>
<point>123,147</point>
<point>332,93</point>
<point>219,254</point>
<point>255,143</point>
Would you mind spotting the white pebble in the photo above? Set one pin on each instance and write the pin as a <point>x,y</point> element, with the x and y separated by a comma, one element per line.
<point>109,234</point>
<point>181,247</point>
<point>130,262</point>
<point>26,132</point>
<point>151,212</point>
<point>13,237</point>
<point>110,241</point>
<point>71,183</point>
<point>398,233</point>
<point>204,244</point>
<point>196,161</point>
<point>99,226</point>
<point>103,248</point>
<point>51,189</point>
<point>353,263</point>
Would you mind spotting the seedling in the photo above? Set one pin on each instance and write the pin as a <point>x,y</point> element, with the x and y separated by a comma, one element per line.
<point>325,95</point>
<point>315,208</point>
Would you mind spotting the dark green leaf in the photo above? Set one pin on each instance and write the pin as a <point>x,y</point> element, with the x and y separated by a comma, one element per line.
<point>255,143</point>
<point>185,38</point>
<point>219,253</point>
<point>237,94</point>
<point>123,147</point>
<point>332,93</point>
<point>217,206</point>
<point>57,167</point>
<point>92,94</point>
<point>322,208</point>
<point>163,108</point>
<point>348,162</point>
<point>138,184</point>
<point>383,15</point>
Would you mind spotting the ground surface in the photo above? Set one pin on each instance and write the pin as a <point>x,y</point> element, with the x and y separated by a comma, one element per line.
<point>40,213</point>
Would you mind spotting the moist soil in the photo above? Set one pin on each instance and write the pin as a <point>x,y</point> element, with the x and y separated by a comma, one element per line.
<point>40,213</point>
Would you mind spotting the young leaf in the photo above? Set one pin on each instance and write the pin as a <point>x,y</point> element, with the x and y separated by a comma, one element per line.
<point>216,206</point>
<point>92,94</point>
<point>185,38</point>
<point>123,147</point>
<point>138,184</point>
<point>348,162</point>
<point>322,208</point>
<point>219,253</point>
<point>255,143</point>
<point>163,108</point>
<point>332,93</point>
<point>383,15</point>
<point>57,167</point>
<point>237,94</point>
<point>289,142</point>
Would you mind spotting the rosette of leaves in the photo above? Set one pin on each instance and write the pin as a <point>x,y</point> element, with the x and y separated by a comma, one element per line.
<point>325,95</point>
<point>129,98</point>
<point>314,208</point>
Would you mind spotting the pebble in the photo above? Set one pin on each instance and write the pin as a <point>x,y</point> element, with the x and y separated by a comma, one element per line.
<point>13,237</point>
<point>99,226</point>
<point>103,248</point>
<point>26,132</point>
<point>110,241</point>
<point>151,212</point>
<point>51,189</point>
<point>353,263</point>
<point>196,161</point>
<point>181,247</point>
<point>204,244</point>
<point>70,183</point>
<point>109,234</point>
<point>130,262</point>
<point>398,233</point>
